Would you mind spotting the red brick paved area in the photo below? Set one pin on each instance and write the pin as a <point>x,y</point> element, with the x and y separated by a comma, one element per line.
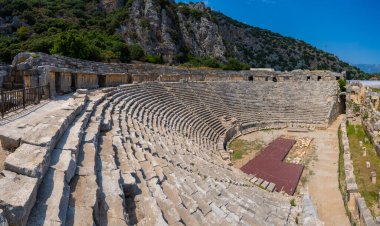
<point>269,166</point>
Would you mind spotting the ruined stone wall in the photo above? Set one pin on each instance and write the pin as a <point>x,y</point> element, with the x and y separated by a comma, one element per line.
<point>117,79</point>
<point>65,82</point>
<point>38,66</point>
<point>334,111</point>
<point>87,81</point>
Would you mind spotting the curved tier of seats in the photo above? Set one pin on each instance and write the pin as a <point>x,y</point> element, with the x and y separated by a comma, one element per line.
<point>148,154</point>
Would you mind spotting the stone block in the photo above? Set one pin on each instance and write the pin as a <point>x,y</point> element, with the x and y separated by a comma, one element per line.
<point>17,196</point>
<point>259,181</point>
<point>62,161</point>
<point>265,184</point>
<point>28,160</point>
<point>10,143</point>
<point>52,200</point>
<point>271,187</point>
<point>82,91</point>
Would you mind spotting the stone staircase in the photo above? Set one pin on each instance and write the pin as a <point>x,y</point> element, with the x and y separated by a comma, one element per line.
<point>147,154</point>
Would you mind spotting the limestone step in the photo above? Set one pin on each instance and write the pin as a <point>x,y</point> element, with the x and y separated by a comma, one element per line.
<point>17,196</point>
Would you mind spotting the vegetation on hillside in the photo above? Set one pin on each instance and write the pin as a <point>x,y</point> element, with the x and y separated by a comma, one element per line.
<point>231,64</point>
<point>70,27</point>
<point>83,29</point>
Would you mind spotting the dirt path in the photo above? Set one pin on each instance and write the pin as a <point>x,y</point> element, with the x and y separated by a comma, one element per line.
<point>323,184</point>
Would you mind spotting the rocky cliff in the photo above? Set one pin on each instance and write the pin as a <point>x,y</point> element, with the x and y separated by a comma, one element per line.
<point>162,28</point>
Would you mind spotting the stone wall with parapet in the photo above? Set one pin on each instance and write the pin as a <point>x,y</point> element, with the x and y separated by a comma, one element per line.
<point>361,210</point>
<point>39,64</point>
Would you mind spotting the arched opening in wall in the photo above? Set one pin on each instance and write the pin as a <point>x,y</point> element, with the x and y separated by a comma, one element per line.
<point>308,78</point>
<point>337,78</point>
<point>73,81</point>
<point>250,78</point>
<point>101,81</point>
<point>57,81</point>
<point>274,79</point>
<point>319,78</point>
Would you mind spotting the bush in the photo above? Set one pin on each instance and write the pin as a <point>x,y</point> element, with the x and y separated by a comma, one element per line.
<point>72,44</point>
<point>136,52</point>
<point>22,33</point>
<point>192,61</point>
<point>145,23</point>
<point>293,202</point>
<point>235,65</point>
<point>154,59</point>
<point>210,62</point>
<point>342,85</point>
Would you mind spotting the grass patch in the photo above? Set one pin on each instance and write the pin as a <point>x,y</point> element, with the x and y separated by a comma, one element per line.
<point>368,190</point>
<point>293,202</point>
<point>243,147</point>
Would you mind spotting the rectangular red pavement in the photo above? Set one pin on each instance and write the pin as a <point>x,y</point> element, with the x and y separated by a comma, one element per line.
<point>269,166</point>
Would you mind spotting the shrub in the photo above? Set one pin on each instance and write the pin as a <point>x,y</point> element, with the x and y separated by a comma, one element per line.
<point>342,85</point>
<point>145,23</point>
<point>22,33</point>
<point>154,59</point>
<point>235,65</point>
<point>72,44</point>
<point>136,52</point>
<point>293,202</point>
<point>210,62</point>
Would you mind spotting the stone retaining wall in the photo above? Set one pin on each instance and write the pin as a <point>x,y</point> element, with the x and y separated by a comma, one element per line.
<point>361,210</point>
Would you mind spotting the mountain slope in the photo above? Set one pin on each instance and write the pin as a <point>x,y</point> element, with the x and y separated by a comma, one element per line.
<point>168,31</point>
<point>369,68</point>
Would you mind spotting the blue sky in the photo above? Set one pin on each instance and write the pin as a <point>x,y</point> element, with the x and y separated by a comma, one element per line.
<point>349,29</point>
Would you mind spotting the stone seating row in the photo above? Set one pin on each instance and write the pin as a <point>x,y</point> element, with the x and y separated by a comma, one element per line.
<point>149,154</point>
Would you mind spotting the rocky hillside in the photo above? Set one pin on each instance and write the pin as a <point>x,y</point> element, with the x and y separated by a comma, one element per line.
<point>173,33</point>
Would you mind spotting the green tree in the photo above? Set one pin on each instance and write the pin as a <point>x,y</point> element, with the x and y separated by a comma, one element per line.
<point>73,44</point>
<point>235,65</point>
<point>136,52</point>
<point>210,62</point>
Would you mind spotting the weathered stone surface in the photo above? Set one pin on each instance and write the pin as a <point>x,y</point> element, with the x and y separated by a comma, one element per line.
<point>76,216</point>
<point>92,133</point>
<point>10,142</point>
<point>112,206</point>
<point>86,160</point>
<point>3,220</point>
<point>44,134</point>
<point>82,91</point>
<point>62,161</point>
<point>17,196</point>
<point>52,200</point>
<point>28,160</point>
<point>83,201</point>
